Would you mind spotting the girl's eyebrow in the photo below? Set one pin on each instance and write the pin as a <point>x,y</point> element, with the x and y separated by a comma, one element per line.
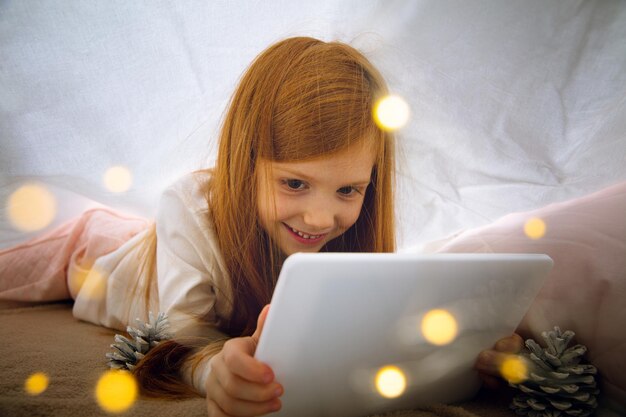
<point>299,175</point>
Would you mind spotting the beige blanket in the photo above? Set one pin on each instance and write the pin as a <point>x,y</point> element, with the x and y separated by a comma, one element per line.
<point>47,338</point>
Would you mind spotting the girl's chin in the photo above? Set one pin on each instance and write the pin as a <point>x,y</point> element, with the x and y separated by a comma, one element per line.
<point>291,250</point>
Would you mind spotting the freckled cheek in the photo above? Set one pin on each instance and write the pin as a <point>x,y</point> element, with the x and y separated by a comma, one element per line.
<point>284,209</point>
<point>349,217</point>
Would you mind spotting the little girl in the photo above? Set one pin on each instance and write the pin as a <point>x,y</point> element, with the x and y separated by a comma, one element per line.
<point>301,167</point>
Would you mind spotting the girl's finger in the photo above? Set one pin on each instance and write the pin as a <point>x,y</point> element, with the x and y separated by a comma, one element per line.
<point>241,408</point>
<point>213,410</point>
<point>259,324</point>
<point>489,362</point>
<point>238,387</point>
<point>237,357</point>
<point>491,382</point>
<point>511,344</point>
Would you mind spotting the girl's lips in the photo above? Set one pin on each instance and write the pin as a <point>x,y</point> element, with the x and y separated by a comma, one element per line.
<point>302,240</point>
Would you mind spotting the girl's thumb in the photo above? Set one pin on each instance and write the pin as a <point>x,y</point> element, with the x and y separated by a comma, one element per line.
<point>260,323</point>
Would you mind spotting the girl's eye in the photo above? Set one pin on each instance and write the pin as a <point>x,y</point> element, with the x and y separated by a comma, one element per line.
<point>348,191</point>
<point>294,184</point>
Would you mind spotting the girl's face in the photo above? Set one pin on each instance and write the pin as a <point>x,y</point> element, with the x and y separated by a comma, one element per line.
<point>303,205</point>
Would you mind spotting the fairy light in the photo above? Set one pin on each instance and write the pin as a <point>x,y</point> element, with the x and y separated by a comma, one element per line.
<point>118,179</point>
<point>116,391</point>
<point>36,383</point>
<point>514,369</point>
<point>439,327</point>
<point>31,207</point>
<point>535,228</point>
<point>390,381</point>
<point>391,112</point>
<point>91,283</point>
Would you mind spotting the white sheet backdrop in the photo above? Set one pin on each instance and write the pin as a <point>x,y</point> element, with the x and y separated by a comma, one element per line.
<point>514,104</point>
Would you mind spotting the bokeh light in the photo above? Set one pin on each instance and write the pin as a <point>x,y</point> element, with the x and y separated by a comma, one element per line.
<point>116,391</point>
<point>391,112</point>
<point>92,284</point>
<point>535,228</point>
<point>439,327</point>
<point>118,179</point>
<point>514,369</point>
<point>390,382</point>
<point>31,207</point>
<point>36,383</point>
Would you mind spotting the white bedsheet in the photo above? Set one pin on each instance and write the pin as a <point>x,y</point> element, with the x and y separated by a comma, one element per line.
<point>514,104</point>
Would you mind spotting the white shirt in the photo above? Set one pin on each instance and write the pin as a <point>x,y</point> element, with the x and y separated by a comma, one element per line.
<point>192,284</point>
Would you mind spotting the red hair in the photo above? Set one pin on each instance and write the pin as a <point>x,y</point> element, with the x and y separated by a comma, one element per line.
<point>299,99</point>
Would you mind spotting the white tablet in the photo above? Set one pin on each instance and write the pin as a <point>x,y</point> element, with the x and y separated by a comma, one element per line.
<point>356,334</point>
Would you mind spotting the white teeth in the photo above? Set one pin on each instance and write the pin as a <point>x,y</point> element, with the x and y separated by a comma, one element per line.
<point>304,235</point>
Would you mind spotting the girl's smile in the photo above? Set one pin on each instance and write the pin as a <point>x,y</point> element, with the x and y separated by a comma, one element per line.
<point>305,204</point>
<point>303,237</point>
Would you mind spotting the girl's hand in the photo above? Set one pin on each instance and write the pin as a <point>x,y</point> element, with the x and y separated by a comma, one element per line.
<point>489,361</point>
<point>238,384</point>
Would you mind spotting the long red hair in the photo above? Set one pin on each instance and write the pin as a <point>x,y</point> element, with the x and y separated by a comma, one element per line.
<point>301,98</point>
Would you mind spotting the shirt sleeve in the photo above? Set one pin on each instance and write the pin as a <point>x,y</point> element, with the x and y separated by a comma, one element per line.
<point>186,273</point>
<point>185,281</point>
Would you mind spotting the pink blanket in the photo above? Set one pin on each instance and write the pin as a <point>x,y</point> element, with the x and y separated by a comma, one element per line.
<point>42,269</point>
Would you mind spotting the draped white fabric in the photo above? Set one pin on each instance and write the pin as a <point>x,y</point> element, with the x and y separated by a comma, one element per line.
<point>513,104</point>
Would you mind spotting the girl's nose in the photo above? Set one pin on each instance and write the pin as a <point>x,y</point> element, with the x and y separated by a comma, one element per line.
<point>319,219</point>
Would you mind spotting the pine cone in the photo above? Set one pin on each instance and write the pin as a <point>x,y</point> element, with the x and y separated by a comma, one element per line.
<point>557,384</point>
<point>128,352</point>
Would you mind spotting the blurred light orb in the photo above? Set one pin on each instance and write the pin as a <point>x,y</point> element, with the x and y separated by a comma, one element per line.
<point>391,112</point>
<point>91,283</point>
<point>390,382</point>
<point>118,179</point>
<point>116,391</point>
<point>439,327</point>
<point>36,383</point>
<point>514,369</point>
<point>31,207</point>
<point>535,228</point>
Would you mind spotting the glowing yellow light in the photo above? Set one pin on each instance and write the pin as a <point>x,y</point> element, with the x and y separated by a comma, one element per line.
<point>116,391</point>
<point>76,278</point>
<point>31,207</point>
<point>390,382</point>
<point>514,369</point>
<point>92,284</point>
<point>535,228</point>
<point>391,112</point>
<point>439,327</point>
<point>36,383</point>
<point>118,179</point>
